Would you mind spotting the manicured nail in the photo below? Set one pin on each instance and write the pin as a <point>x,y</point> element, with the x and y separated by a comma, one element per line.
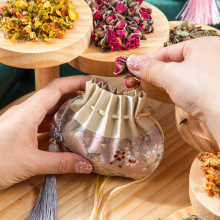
<point>83,167</point>
<point>135,62</point>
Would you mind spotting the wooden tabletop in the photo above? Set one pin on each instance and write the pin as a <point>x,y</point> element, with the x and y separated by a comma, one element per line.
<point>163,193</point>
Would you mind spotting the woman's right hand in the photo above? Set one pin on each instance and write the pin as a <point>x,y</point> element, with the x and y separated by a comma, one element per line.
<point>190,73</point>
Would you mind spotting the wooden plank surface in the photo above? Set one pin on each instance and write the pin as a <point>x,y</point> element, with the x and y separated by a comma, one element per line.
<point>42,54</point>
<point>163,193</point>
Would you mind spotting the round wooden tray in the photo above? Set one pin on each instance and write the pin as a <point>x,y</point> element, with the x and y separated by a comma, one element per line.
<point>42,54</point>
<point>193,134</point>
<point>157,92</point>
<point>181,214</point>
<point>93,61</point>
<point>205,206</point>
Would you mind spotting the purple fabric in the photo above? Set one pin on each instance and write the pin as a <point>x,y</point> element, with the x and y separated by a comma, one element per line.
<point>133,158</point>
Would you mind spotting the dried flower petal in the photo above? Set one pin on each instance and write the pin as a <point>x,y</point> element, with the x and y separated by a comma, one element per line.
<point>120,8</point>
<point>132,42</point>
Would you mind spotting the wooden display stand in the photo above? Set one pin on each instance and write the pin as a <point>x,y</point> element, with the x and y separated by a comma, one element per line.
<point>93,61</point>
<point>193,134</point>
<point>205,206</point>
<point>45,57</point>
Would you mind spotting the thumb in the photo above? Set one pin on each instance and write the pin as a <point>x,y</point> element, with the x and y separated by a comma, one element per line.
<point>60,162</point>
<point>149,69</point>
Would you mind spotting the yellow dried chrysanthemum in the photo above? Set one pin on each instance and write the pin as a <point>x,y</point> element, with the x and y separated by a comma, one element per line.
<point>23,21</point>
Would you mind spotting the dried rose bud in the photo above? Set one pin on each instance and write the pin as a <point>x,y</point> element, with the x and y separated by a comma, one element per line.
<point>95,36</point>
<point>143,14</point>
<point>103,42</point>
<point>140,33</point>
<point>150,30</point>
<point>130,12</point>
<point>139,2</point>
<point>145,9</point>
<point>133,5</point>
<point>133,26</point>
<point>132,42</point>
<point>108,19</point>
<point>145,26</point>
<point>97,16</point>
<point>120,25</point>
<point>132,82</point>
<point>120,8</point>
<point>136,19</point>
<point>99,25</point>
<point>120,17</point>
<point>122,33</point>
<point>109,27</point>
<point>121,67</point>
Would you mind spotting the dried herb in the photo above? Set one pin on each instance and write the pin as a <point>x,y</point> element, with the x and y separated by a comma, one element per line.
<point>191,217</point>
<point>186,31</point>
<point>122,69</point>
<point>24,20</point>
<point>120,24</point>
<point>211,173</point>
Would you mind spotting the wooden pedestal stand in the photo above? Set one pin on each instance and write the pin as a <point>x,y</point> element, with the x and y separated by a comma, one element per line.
<point>205,206</point>
<point>182,214</point>
<point>193,134</point>
<point>45,57</point>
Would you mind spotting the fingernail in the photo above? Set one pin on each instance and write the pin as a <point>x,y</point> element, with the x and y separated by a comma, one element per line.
<point>83,167</point>
<point>135,62</point>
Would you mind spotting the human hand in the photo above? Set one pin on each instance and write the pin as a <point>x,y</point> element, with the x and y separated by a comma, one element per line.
<point>190,73</point>
<point>20,157</point>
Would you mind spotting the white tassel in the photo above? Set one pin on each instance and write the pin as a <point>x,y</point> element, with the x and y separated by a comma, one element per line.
<point>201,11</point>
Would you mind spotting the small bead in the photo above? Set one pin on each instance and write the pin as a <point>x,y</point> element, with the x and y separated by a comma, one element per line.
<point>53,147</point>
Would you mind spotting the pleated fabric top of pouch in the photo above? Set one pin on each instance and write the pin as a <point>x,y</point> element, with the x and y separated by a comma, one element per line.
<point>109,128</point>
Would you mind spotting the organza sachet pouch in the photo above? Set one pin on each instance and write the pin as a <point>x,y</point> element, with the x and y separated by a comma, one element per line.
<point>109,128</point>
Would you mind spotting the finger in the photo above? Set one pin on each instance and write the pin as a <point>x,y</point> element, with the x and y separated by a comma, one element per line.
<point>60,162</point>
<point>49,95</point>
<point>175,53</point>
<point>50,113</point>
<point>150,70</point>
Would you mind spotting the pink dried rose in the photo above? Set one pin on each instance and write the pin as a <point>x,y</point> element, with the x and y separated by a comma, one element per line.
<point>122,69</point>
<point>97,16</point>
<point>110,28</point>
<point>144,14</point>
<point>123,23</point>
<point>132,42</point>
<point>122,34</point>
<point>109,19</point>
<point>120,8</point>
<point>95,36</point>
<point>114,41</point>
<point>120,25</point>
<point>132,82</point>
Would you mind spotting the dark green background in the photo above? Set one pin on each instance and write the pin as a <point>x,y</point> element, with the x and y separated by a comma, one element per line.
<point>16,82</point>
